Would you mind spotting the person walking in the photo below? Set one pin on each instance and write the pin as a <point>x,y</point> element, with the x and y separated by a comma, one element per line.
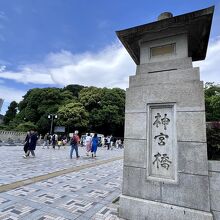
<point>108,142</point>
<point>59,142</point>
<point>64,140</point>
<point>54,141</point>
<point>74,144</point>
<point>88,144</point>
<point>112,142</point>
<point>26,142</point>
<point>95,142</point>
<point>32,144</point>
<point>45,140</point>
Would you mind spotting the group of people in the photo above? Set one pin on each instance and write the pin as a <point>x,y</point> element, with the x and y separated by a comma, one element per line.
<point>54,140</point>
<point>111,142</point>
<point>91,144</point>
<point>30,143</point>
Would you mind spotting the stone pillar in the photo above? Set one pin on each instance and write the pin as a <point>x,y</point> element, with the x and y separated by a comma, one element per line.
<point>165,173</point>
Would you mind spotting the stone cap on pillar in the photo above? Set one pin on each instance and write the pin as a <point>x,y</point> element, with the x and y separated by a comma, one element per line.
<point>195,24</point>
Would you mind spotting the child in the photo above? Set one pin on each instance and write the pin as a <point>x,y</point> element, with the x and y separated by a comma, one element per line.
<point>59,143</point>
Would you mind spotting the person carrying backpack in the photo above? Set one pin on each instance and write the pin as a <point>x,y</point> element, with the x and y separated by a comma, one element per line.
<point>74,144</point>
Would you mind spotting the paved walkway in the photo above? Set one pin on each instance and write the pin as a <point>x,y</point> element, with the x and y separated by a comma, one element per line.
<point>16,168</point>
<point>84,194</point>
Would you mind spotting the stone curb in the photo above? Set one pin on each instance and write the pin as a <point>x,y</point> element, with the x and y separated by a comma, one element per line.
<point>25,182</point>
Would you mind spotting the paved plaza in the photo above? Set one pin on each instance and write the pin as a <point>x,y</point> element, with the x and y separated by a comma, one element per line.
<point>89,192</point>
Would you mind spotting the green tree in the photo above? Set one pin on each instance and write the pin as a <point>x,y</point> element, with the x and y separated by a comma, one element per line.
<point>113,110</point>
<point>90,97</point>
<point>73,116</point>
<point>39,103</point>
<point>26,126</point>
<point>67,97</point>
<point>10,113</point>
<point>85,108</point>
<point>74,89</point>
<point>212,101</point>
<point>212,107</point>
<point>106,109</point>
<point>43,124</point>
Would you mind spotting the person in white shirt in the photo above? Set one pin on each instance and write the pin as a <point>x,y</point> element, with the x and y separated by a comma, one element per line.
<point>88,144</point>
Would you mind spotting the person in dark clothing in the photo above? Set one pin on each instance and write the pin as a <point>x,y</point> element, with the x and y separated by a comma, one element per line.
<point>54,141</point>
<point>32,144</point>
<point>26,142</point>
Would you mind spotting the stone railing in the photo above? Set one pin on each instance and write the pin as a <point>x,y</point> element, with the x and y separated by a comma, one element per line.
<point>11,137</point>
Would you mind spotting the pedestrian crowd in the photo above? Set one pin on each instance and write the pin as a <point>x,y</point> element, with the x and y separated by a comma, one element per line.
<point>54,140</point>
<point>91,143</point>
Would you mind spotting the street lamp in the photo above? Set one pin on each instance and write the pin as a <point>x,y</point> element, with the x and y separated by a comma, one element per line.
<point>52,117</point>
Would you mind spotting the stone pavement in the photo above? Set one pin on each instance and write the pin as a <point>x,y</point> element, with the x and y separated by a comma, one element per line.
<point>82,195</point>
<point>15,168</point>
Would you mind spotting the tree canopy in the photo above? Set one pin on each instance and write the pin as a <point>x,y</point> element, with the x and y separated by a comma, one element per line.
<point>11,112</point>
<point>212,101</point>
<point>88,109</point>
<point>73,116</point>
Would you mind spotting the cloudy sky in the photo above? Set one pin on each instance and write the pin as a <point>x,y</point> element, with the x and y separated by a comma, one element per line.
<point>47,43</point>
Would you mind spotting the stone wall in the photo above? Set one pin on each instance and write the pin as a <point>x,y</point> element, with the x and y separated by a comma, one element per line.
<point>12,136</point>
<point>214,179</point>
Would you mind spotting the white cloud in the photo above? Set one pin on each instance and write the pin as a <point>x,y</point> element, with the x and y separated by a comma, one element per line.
<point>209,68</point>
<point>8,95</point>
<point>35,74</point>
<point>2,68</point>
<point>109,67</point>
<point>11,94</point>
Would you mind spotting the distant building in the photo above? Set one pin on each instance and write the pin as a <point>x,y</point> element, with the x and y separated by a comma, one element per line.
<point>1,116</point>
<point>1,103</point>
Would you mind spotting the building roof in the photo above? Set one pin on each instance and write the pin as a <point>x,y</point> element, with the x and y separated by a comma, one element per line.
<point>195,24</point>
